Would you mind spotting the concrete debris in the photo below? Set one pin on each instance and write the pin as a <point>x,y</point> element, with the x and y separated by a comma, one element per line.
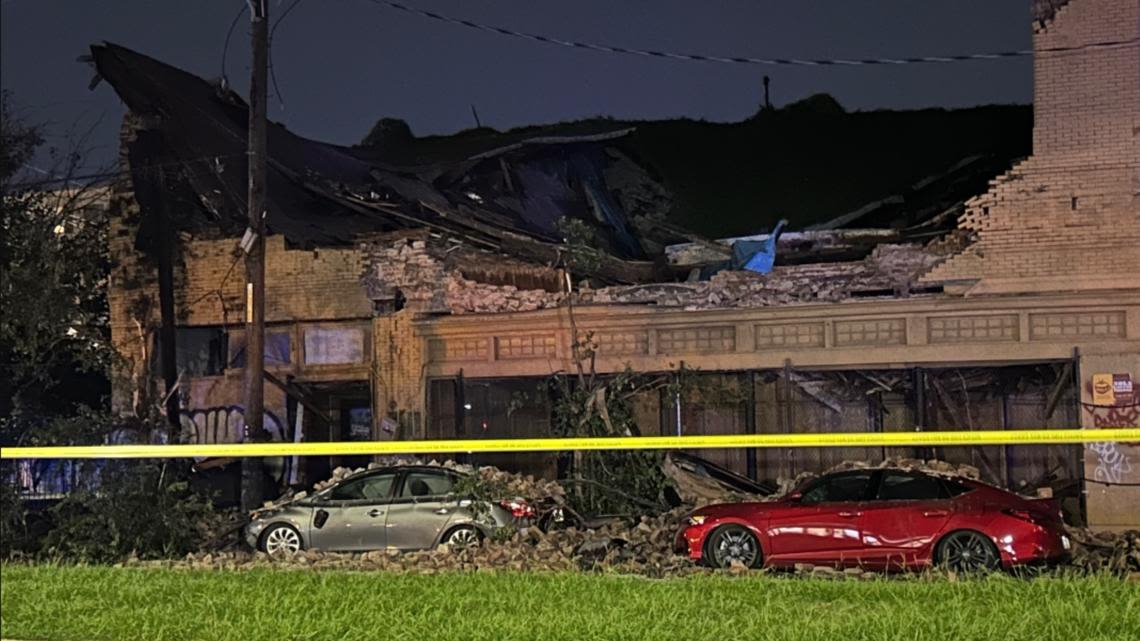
<point>698,482</point>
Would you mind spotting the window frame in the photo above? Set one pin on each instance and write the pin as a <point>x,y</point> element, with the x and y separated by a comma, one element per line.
<point>398,494</point>
<point>869,490</point>
<point>943,492</point>
<point>397,480</point>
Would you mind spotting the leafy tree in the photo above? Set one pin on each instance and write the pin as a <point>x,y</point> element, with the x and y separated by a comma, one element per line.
<point>54,333</point>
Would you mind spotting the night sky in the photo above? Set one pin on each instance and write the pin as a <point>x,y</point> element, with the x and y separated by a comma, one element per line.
<point>342,64</point>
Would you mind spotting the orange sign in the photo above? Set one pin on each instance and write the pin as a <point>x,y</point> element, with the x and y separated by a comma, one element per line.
<point>1102,391</point>
<point>1112,389</point>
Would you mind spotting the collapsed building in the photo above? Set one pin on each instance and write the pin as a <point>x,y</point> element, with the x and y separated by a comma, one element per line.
<point>422,290</point>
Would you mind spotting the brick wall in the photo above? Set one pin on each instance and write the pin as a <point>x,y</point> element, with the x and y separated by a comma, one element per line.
<point>318,284</point>
<point>301,285</point>
<point>398,363</point>
<point>1068,217</point>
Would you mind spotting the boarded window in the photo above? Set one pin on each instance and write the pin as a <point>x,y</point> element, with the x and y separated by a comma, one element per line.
<point>334,345</point>
<point>277,348</point>
<point>198,351</point>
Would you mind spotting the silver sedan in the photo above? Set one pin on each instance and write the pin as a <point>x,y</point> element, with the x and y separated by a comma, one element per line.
<point>400,508</point>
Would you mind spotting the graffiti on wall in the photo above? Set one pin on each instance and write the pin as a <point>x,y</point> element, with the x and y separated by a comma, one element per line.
<point>223,424</point>
<point>226,424</point>
<point>1113,465</point>
<point>1113,406</point>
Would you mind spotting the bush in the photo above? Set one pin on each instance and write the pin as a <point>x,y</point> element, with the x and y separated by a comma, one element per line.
<point>144,508</point>
<point>12,520</point>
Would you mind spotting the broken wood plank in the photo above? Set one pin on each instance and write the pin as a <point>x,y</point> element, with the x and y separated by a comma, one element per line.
<point>294,390</point>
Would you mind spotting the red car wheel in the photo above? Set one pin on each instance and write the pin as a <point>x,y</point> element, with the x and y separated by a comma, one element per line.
<point>967,551</point>
<point>732,543</point>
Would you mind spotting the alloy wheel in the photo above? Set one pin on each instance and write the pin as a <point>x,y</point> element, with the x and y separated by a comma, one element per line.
<point>968,552</point>
<point>463,537</point>
<point>734,544</point>
<point>282,540</point>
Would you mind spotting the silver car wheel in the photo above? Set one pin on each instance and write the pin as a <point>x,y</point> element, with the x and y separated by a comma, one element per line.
<point>282,540</point>
<point>730,544</point>
<point>464,537</point>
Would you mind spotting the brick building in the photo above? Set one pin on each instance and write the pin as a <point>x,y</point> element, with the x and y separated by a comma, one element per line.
<point>432,302</point>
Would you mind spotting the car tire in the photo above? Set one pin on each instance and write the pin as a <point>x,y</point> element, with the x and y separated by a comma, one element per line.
<point>729,543</point>
<point>462,536</point>
<point>968,552</point>
<point>280,539</point>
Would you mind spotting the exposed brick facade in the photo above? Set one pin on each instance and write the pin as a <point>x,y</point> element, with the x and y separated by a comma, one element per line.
<point>1068,217</point>
<point>302,286</point>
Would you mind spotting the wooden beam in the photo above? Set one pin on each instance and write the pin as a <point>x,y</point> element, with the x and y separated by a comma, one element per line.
<point>1064,379</point>
<point>294,390</point>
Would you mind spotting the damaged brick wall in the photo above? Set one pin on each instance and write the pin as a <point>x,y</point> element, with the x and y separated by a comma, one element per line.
<point>317,284</point>
<point>132,296</point>
<point>418,272</point>
<point>1068,217</point>
<point>209,277</point>
<point>426,277</point>
<point>398,365</point>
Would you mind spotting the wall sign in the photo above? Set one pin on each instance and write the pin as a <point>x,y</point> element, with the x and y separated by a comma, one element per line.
<point>334,346</point>
<point>1112,389</point>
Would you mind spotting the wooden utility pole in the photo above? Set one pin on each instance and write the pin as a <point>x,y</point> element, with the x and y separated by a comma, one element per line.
<point>251,468</point>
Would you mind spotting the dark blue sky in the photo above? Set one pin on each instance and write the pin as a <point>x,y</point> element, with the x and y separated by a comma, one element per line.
<point>341,64</point>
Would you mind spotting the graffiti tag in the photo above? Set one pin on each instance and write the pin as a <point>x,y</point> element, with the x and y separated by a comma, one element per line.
<point>1113,465</point>
<point>223,424</point>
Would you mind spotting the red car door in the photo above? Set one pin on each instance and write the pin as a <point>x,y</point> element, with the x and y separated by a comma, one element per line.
<point>822,526</point>
<point>901,524</point>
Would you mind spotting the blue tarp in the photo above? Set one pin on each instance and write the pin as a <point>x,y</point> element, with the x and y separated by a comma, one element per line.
<point>757,255</point>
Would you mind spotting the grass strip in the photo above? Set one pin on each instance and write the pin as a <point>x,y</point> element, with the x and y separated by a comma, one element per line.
<point>92,603</point>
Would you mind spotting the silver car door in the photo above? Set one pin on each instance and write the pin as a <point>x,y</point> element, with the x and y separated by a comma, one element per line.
<point>422,510</point>
<point>353,516</point>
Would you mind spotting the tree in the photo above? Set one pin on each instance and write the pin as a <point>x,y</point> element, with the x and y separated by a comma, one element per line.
<point>54,331</point>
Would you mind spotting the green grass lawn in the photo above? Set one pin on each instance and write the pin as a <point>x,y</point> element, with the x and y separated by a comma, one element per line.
<point>67,603</point>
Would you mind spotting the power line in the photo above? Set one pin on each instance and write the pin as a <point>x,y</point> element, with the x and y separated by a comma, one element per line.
<point>272,66</point>
<point>229,34</point>
<point>819,62</point>
<point>273,30</point>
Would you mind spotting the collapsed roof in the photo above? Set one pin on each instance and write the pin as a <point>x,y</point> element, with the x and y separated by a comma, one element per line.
<point>191,151</point>
<point>628,183</point>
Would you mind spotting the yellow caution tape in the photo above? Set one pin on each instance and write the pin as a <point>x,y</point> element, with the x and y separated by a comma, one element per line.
<point>857,439</point>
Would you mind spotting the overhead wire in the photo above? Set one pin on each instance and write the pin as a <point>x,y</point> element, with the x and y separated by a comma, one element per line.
<point>229,34</point>
<point>273,67</point>
<point>817,62</point>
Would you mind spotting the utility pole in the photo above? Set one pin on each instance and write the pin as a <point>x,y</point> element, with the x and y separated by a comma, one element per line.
<point>251,467</point>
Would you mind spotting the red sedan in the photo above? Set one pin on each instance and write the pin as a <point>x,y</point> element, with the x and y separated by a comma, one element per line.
<point>881,519</point>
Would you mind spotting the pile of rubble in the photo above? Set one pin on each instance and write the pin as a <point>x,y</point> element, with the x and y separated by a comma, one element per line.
<point>1115,552</point>
<point>510,484</point>
<point>429,277</point>
<point>890,270</point>
<point>931,466</point>
<point>641,546</point>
